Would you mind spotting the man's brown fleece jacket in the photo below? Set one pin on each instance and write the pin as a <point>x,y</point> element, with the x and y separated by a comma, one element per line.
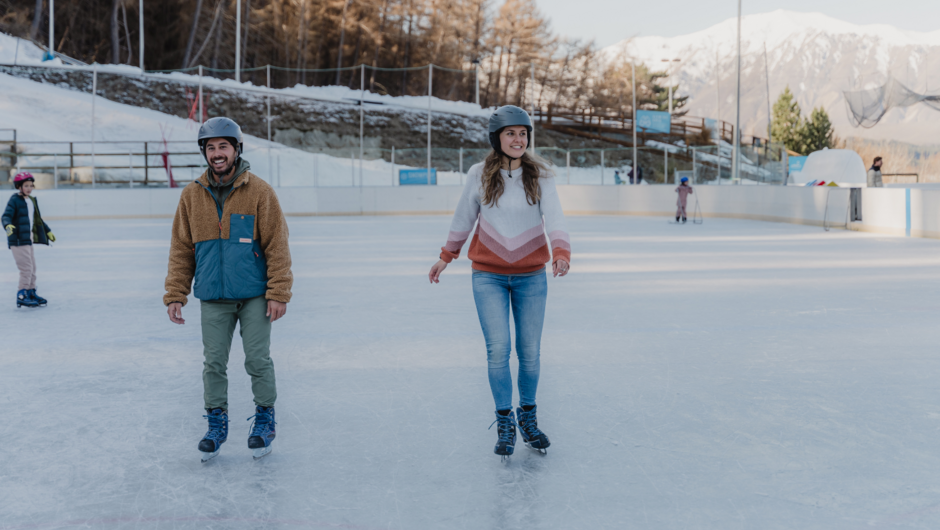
<point>197,220</point>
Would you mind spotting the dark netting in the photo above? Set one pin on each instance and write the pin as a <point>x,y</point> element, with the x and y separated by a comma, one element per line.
<point>867,107</point>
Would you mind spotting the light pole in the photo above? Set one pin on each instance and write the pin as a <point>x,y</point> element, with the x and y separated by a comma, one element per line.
<point>476,70</point>
<point>51,28</point>
<point>238,41</point>
<point>141,20</point>
<point>635,174</point>
<point>669,65</point>
<point>737,114</point>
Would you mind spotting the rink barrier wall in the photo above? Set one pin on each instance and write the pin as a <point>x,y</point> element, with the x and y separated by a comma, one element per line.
<point>894,211</point>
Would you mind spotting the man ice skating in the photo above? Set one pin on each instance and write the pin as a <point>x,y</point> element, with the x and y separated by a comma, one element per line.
<point>684,190</point>
<point>230,236</point>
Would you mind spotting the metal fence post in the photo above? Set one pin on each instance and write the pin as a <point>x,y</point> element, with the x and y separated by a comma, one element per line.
<point>602,167</point>
<point>130,168</point>
<point>461,165</point>
<point>268,70</point>
<point>430,91</point>
<point>352,166</point>
<point>94,91</point>
<point>393,165</point>
<point>146,165</point>
<point>694,168</point>
<point>362,95</point>
<point>200,93</point>
<point>568,165</point>
<point>665,165</point>
<point>55,171</point>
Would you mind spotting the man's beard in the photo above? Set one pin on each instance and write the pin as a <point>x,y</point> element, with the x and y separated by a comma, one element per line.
<point>226,171</point>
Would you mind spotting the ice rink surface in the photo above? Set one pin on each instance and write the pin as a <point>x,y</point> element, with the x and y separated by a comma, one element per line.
<point>732,375</point>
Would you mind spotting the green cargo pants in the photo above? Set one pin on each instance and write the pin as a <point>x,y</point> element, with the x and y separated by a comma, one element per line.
<point>218,326</point>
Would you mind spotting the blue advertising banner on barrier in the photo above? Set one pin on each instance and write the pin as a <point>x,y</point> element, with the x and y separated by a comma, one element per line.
<point>796,163</point>
<point>653,121</point>
<point>416,177</point>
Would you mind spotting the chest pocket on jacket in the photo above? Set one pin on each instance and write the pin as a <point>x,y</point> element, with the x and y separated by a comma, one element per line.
<point>246,271</point>
<point>241,228</point>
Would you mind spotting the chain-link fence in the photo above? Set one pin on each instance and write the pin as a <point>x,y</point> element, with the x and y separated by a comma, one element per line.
<point>149,164</point>
<point>356,159</point>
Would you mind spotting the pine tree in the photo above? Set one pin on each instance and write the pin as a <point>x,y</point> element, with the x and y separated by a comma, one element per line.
<point>787,124</point>
<point>817,132</point>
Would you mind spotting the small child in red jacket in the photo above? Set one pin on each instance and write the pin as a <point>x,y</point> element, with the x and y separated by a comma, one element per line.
<point>684,190</point>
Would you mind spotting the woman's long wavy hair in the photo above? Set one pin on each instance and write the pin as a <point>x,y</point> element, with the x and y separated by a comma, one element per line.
<point>533,168</point>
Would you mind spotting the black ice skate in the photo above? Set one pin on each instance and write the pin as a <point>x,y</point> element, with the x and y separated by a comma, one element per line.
<point>531,435</point>
<point>506,429</point>
<point>217,434</point>
<point>24,299</point>
<point>262,432</point>
<point>683,220</point>
<point>39,300</point>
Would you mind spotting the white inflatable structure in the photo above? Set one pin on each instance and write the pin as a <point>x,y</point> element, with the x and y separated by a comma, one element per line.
<point>842,166</point>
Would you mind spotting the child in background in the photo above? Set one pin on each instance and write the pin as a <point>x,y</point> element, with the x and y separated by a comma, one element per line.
<point>683,190</point>
<point>24,226</point>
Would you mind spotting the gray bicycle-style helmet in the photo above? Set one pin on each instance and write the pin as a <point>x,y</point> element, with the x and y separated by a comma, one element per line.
<point>220,128</point>
<point>507,116</point>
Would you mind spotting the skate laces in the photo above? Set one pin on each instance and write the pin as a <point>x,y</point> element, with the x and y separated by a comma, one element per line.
<point>505,428</point>
<point>261,422</point>
<point>529,424</point>
<point>217,426</point>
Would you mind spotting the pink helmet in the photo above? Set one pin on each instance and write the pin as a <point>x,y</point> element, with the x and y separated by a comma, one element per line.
<point>23,177</point>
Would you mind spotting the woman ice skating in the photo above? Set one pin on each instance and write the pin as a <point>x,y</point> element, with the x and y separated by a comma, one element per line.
<point>230,235</point>
<point>25,227</point>
<point>509,194</point>
<point>683,190</point>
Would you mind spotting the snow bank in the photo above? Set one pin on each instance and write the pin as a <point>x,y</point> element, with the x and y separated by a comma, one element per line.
<point>14,50</point>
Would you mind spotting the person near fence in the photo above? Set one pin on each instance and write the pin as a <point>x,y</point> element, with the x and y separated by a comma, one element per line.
<point>507,197</point>
<point>639,175</point>
<point>617,179</point>
<point>24,227</point>
<point>874,174</point>
<point>230,236</point>
<point>684,190</point>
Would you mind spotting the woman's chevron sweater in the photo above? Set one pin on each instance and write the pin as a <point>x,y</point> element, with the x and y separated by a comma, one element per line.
<point>510,237</point>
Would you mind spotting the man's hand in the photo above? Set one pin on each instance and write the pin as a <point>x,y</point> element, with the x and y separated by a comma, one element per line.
<point>10,229</point>
<point>51,236</point>
<point>175,310</point>
<point>276,309</point>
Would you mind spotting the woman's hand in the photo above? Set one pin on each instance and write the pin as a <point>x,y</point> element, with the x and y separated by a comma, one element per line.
<point>560,268</point>
<point>436,271</point>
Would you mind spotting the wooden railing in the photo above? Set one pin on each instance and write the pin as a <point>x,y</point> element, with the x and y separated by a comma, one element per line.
<point>616,121</point>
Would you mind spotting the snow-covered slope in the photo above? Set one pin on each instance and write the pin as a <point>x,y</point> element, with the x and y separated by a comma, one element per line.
<point>21,52</point>
<point>47,113</point>
<point>816,55</point>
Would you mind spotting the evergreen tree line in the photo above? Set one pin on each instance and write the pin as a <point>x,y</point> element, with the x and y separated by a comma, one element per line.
<point>513,44</point>
<point>799,134</point>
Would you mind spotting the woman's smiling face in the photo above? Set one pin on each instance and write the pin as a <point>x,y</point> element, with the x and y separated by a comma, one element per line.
<point>513,140</point>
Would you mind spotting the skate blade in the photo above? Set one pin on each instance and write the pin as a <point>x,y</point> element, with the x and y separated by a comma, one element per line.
<point>505,459</point>
<point>541,450</point>
<point>209,456</point>
<point>262,452</point>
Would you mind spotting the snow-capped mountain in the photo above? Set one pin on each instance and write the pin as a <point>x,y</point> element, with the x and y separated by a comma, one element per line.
<point>816,55</point>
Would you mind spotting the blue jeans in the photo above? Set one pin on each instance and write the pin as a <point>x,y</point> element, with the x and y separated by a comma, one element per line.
<point>494,294</point>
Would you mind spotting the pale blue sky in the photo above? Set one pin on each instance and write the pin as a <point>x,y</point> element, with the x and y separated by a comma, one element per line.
<point>610,21</point>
